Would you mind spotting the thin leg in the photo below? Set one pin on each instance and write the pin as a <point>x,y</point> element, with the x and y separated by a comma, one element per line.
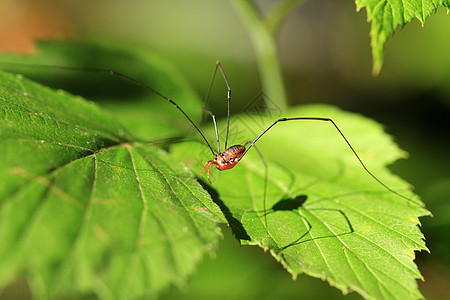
<point>219,66</point>
<point>138,83</point>
<point>208,94</point>
<point>207,165</point>
<point>209,172</point>
<point>127,78</point>
<point>266,177</point>
<point>345,139</point>
<point>215,127</point>
<point>228,101</point>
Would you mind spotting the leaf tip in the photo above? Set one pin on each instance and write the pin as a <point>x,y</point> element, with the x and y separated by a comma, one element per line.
<point>405,154</point>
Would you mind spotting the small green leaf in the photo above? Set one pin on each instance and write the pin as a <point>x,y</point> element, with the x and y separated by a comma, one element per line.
<point>387,16</point>
<point>326,216</point>
<point>84,208</point>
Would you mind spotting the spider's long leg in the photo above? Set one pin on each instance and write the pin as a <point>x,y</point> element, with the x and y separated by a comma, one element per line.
<point>266,178</point>
<point>125,77</point>
<point>215,127</point>
<point>205,107</point>
<point>345,139</point>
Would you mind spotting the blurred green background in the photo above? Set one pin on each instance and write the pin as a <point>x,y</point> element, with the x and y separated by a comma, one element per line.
<point>325,57</point>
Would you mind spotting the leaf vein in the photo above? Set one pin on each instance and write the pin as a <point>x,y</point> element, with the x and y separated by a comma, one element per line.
<point>169,185</point>
<point>369,267</point>
<point>64,112</point>
<point>143,199</point>
<point>106,135</point>
<point>381,223</point>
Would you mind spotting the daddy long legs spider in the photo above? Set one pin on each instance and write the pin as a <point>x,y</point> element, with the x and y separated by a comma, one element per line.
<point>231,156</point>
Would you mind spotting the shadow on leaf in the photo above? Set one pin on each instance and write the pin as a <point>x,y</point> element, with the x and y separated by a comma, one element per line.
<point>236,226</point>
<point>289,203</point>
<point>296,205</point>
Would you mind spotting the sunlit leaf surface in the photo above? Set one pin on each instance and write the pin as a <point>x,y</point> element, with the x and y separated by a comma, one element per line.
<point>83,207</point>
<point>326,216</point>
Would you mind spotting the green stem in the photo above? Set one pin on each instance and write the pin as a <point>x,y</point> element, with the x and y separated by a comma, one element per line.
<point>278,14</point>
<point>266,53</point>
<point>262,33</point>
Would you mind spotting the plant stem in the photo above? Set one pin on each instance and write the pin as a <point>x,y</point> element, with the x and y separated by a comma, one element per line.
<point>278,14</point>
<point>262,33</point>
<point>266,53</point>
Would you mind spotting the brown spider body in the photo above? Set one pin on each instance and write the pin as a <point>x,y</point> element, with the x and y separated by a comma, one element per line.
<point>225,160</point>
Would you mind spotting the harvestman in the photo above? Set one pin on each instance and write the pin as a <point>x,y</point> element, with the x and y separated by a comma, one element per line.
<point>234,154</point>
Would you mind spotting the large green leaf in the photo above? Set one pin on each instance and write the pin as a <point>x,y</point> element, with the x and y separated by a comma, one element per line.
<point>326,216</point>
<point>387,15</point>
<point>85,208</point>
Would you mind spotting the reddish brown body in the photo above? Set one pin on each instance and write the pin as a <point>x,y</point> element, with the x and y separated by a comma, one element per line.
<point>225,160</point>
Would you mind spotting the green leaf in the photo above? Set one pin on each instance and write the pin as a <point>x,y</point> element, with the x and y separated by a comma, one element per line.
<point>387,16</point>
<point>85,208</point>
<point>326,216</point>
